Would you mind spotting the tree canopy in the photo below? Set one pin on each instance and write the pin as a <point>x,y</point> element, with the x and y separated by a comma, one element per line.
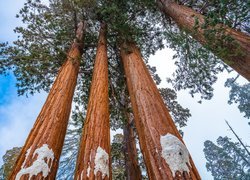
<point>227,160</point>
<point>40,50</point>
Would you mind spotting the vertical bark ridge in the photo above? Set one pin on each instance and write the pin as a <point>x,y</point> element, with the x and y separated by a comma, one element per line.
<point>40,155</point>
<point>96,132</point>
<point>152,119</point>
<point>238,50</point>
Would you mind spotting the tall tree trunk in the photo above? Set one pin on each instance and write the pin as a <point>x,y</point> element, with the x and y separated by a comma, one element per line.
<point>165,155</point>
<point>40,155</point>
<point>132,168</point>
<point>237,51</point>
<point>93,160</point>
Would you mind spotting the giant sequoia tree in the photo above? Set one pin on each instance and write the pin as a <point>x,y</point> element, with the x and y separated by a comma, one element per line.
<point>230,45</point>
<point>94,152</point>
<point>165,155</point>
<point>46,138</point>
<point>40,51</point>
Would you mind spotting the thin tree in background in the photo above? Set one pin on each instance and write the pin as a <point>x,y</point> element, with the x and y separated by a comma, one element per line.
<point>240,141</point>
<point>131,157</point>
<point>132,167</point>
<point>93,160</point>
<point>235,43</point>
<point>165,155</point>
<point>40,154</point>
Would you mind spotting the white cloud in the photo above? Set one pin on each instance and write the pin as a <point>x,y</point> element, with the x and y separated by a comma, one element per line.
<point>8,20</point>
<point>17,118</point>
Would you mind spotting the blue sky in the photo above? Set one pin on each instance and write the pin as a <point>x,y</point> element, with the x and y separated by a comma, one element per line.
<point>7,88</point>
<point>7,24</point>
<point>17,114</point>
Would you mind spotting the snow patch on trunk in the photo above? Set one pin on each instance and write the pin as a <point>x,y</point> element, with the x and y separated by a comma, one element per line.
<point>175,153</point>
<point>82,175</point>
<point>88,170</point>
<point>101,162</point>
<point>39,165</point>
<point>26,156</point>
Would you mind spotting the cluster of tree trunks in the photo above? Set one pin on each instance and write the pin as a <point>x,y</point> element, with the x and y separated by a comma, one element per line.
<point>237,51</point>
<point>152,119</point>
<point>51,124</point>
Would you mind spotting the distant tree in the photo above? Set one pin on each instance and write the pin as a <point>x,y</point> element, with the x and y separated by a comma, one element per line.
<point>227,160</point>
<point>239,94</point>
<point>9,160</point>
<point>118,158</point>
<point>119,171</point>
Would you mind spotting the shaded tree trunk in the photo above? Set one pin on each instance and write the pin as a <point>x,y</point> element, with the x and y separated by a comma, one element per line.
<point>93,160</point>
<point>237,54</point>
<point>40,155</point>
<point>132,168</point>
<point>164,153</point>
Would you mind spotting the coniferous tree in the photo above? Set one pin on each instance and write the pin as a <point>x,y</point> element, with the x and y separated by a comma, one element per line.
<point>228,44</point>
<point>51,15</point>
<point>94,152</point>
<point>227,159</point>
<point>9,160</point>
<point>158,136</point>
<point>118,157</point>
<point>46,138</point>
<point>131,17</point>
<point>239,94</point>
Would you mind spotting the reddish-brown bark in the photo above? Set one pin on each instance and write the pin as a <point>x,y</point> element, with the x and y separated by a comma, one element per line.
<point>237,51</point>
<point>51,124</point>
<point>152,118</point>
<point>132,168</point>
<point>96,132</point>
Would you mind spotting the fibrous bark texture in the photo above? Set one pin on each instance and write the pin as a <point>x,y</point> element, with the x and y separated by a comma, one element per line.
<point>93,160</point>
<point>133,171</point>
<point>237,49</point>
<point>154,125</point>
<point>40,155</point>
